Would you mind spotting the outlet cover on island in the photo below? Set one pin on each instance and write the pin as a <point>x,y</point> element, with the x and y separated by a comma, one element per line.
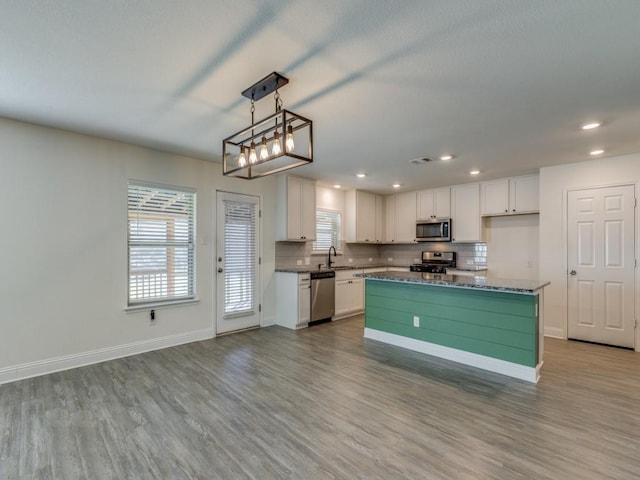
<point>416,321</point>
<point>307,260</point>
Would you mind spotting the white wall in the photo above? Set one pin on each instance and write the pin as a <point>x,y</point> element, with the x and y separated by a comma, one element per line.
<point>63,287</point>
<point>329,198</point>
<point>554,184</point>
<point>512,246</point>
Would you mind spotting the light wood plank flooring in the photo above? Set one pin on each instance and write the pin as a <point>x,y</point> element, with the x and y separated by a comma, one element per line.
<point>323,403</point>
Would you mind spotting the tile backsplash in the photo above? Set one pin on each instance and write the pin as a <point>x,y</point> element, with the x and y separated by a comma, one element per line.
<point>469,255</point>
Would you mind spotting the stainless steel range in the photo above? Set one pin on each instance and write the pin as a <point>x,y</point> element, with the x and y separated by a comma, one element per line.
<point>435,262</point>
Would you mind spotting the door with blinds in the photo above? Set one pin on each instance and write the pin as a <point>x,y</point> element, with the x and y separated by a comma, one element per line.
<point>237,262</point>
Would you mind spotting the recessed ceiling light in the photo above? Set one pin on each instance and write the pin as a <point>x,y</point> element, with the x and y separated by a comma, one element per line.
<point>597,152</point>
<point>361,175</point>
<point>446,157</point>
<point>396,185</point>
<point>590,126</point>
<point>337,186</point>
<point>474,172</point>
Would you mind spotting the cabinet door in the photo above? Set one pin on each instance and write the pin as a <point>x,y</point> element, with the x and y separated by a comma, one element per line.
<point>307,201</point>
<point>465,213</point>
<point>356,296</point>
<point>379,234</point>
<point>294,209</point>
<point>426,205</point>
<point>495,197</point>
<point>365,216</point>
<point>342,297</point>
<point>524,196</point>
<point>389,219</point>
<point>405,213</point>
<point>442,202</point>
<point>304,304</point>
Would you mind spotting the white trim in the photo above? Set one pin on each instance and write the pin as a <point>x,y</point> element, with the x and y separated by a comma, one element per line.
<point>554,332</point>
<point>166,304</point>
<point>529,374</point>
<point>67,362</point>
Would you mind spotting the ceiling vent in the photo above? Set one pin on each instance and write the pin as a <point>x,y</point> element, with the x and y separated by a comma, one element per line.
<point>420,161</point>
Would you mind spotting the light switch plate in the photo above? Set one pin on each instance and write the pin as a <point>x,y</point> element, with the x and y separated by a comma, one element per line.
<point>350,260</point>
<point>307,260</point>
<point>298,262</point>
<point>389,259</point>
<point>416,321</point>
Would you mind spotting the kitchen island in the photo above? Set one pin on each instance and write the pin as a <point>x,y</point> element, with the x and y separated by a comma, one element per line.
<point>489,323</point>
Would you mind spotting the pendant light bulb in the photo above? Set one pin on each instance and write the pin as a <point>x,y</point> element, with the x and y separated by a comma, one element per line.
<point>253,158</point>
<point>276,149</point>
<point>264,151</point>
<point>289,141</point>
<point>242,159</point>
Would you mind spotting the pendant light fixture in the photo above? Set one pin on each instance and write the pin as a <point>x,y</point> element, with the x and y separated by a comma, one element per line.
<point>295,130</point>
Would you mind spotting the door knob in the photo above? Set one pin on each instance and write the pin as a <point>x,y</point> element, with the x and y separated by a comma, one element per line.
<point>219,270</point>
<point>573,272</point>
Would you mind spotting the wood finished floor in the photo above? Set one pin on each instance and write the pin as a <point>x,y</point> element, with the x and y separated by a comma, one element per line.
<point>324,403</point>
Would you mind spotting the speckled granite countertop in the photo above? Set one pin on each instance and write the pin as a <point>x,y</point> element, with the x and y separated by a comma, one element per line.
<point>530,287</point>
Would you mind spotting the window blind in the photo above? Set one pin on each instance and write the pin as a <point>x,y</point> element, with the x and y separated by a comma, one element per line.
<point>239,257</point>
<point>327,229</point>
<point>161,244</point>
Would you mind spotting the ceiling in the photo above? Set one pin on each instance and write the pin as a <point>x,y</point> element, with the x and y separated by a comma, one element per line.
<point>502,85</point>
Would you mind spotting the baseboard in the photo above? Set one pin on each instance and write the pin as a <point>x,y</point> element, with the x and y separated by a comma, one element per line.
<point>529,374</point>
<point>66,362</point>
<point>554,332</point>
<point>268,321</point>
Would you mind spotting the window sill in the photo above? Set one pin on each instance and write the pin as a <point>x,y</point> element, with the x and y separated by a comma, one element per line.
<point>156,305</point>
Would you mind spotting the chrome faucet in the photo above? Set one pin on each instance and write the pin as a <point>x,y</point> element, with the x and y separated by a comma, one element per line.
<point>329,262</point>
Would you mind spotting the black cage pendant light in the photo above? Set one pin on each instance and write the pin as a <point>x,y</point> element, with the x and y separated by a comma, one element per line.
<point>274,144</point>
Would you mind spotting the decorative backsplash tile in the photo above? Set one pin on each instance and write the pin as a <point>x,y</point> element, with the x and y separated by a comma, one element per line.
<point>469,255</point>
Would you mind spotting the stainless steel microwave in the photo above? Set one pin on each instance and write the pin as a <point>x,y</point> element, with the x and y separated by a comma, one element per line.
<point>433,230</point>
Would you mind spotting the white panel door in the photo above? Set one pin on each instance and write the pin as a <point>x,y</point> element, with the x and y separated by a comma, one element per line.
<point>601,265</point>
<point>238,262</point>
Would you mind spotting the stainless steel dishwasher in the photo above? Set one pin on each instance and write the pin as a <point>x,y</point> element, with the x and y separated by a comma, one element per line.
<point>323,295</point>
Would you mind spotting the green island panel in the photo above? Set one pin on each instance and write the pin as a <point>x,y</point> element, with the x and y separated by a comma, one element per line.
<point>494,324</point>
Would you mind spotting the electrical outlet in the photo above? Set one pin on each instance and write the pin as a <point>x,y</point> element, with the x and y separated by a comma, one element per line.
<point>389,259</point>
<point>416,260</point>
<point>350,260</point>
<point>416,321</point>
<point>371,259</point>
<point>298,262</point>
<point>469,261</point>
<point>307,260</point>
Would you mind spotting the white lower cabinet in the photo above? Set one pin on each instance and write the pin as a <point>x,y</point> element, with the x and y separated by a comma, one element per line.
<point>294,299</point>
<point>349,294</point>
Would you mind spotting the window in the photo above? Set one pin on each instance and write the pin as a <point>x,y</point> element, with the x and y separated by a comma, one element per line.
<point>239,257</point>
<point>161,244</point>
<point>328,224</point>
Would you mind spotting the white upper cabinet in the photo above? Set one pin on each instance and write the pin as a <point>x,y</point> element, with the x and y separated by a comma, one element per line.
<point>401,218</point>
<point>363,217</point>
<point>296,209</point>
<point>434,203</point>
<point>510,196</point>
<point>465,213</point>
